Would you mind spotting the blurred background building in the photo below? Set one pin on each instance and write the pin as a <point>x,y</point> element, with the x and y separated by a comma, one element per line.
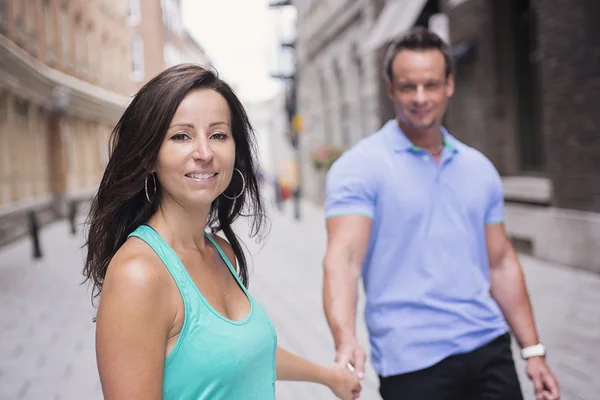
<point>64,80</point>
<point>270,123</point>
<point>67,71</point>
<point>160,39</point>
<point>527,88</point>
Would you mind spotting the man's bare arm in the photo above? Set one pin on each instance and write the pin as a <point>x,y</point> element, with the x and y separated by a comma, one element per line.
<point>509,290</point>
<point>347,241</point>
<point>508,285</point>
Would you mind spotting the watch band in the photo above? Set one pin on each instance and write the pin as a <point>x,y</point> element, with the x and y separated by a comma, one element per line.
<point>533,351</point>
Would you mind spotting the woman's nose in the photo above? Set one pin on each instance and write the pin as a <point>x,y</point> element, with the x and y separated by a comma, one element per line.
<point>203,151</point>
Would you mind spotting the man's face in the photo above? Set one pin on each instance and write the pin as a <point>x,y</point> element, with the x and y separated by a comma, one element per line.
<point>420,89</point>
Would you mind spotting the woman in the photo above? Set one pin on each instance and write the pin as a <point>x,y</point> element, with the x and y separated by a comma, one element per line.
<point>175,320</point>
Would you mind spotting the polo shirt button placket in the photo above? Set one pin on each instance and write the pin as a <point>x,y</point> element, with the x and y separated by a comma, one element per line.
<point>443,162</point>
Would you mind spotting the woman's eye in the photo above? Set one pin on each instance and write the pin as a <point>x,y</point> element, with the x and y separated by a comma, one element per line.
<point>218,136</point>
<point>179,136</point>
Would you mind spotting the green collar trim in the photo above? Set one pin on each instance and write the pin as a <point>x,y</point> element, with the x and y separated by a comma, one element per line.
<point>447,144</point>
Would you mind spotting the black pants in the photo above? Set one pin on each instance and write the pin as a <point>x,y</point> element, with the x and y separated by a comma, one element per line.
<point>487,373</point>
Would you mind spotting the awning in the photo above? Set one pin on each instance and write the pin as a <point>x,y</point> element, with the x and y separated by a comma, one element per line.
<point>397,17</point>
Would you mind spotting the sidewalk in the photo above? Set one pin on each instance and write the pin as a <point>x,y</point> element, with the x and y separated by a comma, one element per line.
<point>47,345</point>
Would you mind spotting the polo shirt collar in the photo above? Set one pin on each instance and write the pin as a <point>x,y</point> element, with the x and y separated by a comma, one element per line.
<point>399,142</point>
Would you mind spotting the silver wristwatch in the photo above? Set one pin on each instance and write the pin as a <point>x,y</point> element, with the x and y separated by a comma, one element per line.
<point>538,350</point>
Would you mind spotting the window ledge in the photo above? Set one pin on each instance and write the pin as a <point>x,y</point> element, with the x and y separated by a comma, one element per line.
<point>527,189</point>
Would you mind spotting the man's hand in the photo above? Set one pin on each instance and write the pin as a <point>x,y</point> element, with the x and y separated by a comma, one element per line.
<point>343,383</point>
<point>352,353</point>
<point>544,382</point>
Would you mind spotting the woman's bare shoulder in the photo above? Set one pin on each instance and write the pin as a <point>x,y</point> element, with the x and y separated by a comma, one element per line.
<point>135,261</point>
<point>137,270</point>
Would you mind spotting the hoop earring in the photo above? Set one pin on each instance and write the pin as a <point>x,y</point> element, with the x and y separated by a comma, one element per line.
<point>243,186</point>
<point>146,187</point>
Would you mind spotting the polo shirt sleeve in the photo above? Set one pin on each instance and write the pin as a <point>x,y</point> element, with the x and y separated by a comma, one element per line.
<point>495,208</point>
<point>350,188</point>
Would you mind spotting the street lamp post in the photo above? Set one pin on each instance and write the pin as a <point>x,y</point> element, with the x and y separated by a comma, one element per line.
<point>291,111</point>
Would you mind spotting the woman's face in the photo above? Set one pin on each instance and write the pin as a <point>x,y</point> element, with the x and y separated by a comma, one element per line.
<point>196,159</point>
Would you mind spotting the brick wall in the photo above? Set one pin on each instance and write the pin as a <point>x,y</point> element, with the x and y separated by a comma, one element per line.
<point>569,40</point>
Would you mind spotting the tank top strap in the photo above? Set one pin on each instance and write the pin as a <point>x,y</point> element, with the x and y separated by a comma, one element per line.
<point>166,254</point>
<point>225,260</point>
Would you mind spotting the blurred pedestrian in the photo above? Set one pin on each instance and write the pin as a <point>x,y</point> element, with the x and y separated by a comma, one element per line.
<point>420,216</point>
<point>175,319</point>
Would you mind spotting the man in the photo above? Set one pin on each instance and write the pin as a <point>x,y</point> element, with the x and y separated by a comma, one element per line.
<point>420,216</point>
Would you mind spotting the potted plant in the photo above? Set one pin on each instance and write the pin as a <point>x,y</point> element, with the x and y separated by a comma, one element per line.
<point>324,156</point>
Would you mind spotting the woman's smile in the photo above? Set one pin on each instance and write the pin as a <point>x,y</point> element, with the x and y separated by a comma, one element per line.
<point>202,177</point>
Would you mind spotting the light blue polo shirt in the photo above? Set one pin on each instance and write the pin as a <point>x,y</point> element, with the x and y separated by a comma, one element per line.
<point>426,271</point>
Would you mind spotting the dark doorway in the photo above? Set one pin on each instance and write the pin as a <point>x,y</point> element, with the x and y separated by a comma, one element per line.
<point>528,108</point>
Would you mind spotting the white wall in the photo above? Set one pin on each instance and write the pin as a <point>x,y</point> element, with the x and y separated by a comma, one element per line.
<point>270,124</point>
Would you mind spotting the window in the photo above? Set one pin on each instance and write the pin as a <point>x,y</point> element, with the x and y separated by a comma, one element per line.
<point>3,16</point>
<point>80,45</point>
<point>326,112</point>
<point>137,58</point>
<point>49,29</point>
<point>5,159</point>
<point>64,36</point>
<point>172,55</point>
<point>345,124</point>
<point>20,106</point>
<point>92,54</point>
<point>344,112</point>
<point>19,13</point>
<point>103,59</point>
<point>171,15</point>
<point>135,13</point>
<point>30,25</point>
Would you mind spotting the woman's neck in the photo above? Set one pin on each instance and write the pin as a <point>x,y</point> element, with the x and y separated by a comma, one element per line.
<point>179,226</point>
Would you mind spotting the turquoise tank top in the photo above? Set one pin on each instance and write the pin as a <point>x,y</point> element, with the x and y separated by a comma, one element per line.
<point>215,358</point>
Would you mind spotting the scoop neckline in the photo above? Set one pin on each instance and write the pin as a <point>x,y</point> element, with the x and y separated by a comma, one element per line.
<point>199,293</point>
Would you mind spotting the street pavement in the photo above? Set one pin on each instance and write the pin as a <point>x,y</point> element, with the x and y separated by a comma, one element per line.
<point>47,332</point>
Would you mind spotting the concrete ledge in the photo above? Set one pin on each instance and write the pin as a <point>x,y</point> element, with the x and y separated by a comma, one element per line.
<point>15,209</point>
<point>527,189</point>
<point>14,218</point>
<point>564,236</point>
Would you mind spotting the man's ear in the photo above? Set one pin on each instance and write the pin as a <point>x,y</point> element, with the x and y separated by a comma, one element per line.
<point>390,89</point>
<point>450,85</point>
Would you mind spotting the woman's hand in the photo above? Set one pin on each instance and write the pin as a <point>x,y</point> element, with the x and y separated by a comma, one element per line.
<point>343,382</point>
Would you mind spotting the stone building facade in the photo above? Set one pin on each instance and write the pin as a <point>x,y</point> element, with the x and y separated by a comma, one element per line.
<point>64,81</point>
